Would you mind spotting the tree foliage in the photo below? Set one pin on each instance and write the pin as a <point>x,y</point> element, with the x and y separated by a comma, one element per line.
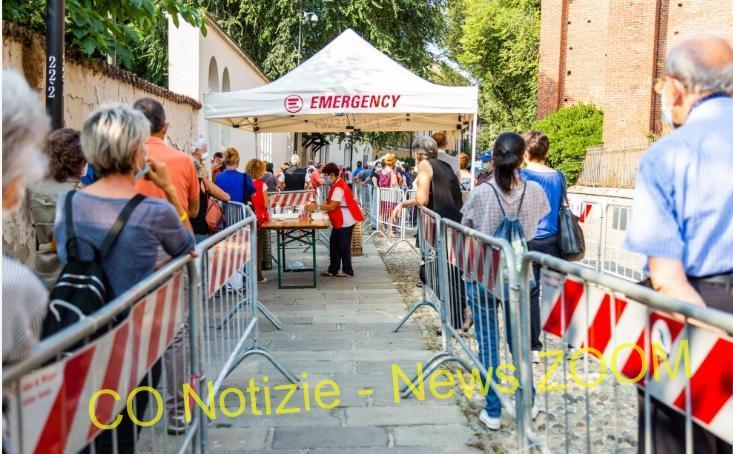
<point>497,41</point>
<point>268,29</point>
<point>571,131</point>
<point>106,28</point>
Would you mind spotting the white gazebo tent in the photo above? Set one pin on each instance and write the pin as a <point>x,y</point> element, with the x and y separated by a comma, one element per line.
<point>347,86</point>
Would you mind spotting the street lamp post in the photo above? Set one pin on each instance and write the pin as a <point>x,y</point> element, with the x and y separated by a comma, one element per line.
<point>304,17</point>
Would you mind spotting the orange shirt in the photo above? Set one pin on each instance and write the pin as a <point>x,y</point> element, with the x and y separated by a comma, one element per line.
<point>180,168</point>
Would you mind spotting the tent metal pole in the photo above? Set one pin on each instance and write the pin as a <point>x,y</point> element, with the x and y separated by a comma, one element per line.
<point>473,146</point>
<point>257,145</point>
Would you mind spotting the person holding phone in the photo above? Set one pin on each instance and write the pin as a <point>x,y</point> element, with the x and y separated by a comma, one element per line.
<point>180,166</point>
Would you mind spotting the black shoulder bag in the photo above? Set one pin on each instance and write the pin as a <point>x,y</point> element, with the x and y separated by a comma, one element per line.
<point>83,286</point>
<point>570,236</point>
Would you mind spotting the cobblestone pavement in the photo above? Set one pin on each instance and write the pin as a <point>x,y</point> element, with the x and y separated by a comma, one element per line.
<point>601,418</point>
<point>341,331</point>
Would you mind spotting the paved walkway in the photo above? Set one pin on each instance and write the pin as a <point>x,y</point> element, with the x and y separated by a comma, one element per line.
<point>341,331</point>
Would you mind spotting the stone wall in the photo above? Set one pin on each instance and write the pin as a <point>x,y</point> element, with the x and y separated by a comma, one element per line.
<point>87,84</point>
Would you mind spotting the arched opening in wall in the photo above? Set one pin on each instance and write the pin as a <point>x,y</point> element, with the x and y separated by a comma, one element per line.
<point>226,132</point>
<point>214,136</point>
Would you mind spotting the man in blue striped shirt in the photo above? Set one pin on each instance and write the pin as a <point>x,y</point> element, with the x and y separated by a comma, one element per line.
<point>682,218</point>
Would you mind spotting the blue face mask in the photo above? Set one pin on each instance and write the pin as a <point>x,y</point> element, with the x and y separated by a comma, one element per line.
<point>142,172</point>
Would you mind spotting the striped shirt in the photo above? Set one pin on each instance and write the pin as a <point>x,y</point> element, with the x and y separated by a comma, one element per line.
<point>683,205</point>
<point>25,301</point>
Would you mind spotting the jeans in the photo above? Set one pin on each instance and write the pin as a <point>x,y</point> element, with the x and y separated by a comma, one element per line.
<point>200,238</point>
<point>486,325</point>
<point>547,246</point>
<point>340,249</point>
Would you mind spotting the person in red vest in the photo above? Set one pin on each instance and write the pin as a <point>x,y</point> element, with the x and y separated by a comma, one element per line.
<point>344,212</point>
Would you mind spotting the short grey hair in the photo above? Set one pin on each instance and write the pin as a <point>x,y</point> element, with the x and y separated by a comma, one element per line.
<point>690,63</point>
<point>295,160</point>
<point>111,137</point>
<point>25,126</point>
<point>426,145</point>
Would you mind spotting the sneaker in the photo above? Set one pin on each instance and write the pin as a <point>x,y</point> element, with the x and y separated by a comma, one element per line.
<point>535,356</point>
<point>489,422</point>
<point>264,279</point>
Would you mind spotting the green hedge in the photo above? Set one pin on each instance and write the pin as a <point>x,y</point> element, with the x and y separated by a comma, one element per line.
<point>571,131</point>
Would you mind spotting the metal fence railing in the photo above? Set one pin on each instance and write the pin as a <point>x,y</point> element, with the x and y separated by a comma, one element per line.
<point>604,229</point>
<point>65,400</point>
<point>611,168</point>
<point>179,333</point>
<point>609,344</point>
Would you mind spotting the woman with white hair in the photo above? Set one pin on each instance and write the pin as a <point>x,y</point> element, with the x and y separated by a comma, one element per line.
<point>24,294</point>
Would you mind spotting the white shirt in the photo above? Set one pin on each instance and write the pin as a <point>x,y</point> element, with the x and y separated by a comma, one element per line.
<point>338,196</point>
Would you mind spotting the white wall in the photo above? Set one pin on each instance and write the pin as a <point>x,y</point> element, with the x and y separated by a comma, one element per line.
<point>198,65</point>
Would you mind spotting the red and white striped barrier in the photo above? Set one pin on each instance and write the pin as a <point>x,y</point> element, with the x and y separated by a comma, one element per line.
<point>54,400</point>
<point>470,254</point>
<point>587,316</point>
<point>226,257</point>
<point>292,198</point>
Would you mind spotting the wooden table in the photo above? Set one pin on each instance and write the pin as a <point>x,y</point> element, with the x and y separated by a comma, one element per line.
<point>295,231</point>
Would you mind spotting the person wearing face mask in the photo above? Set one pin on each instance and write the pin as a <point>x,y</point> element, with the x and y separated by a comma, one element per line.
<point>344,212</point>
<point>683,205</point>
<point>67,162</point>
<point>180,167</point>
<point>113,138</point>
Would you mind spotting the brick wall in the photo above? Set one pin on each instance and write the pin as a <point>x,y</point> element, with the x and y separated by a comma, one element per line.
<point>608,52</point>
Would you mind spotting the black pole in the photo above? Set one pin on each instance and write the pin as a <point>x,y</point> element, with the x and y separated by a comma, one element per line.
<point>55,62</point>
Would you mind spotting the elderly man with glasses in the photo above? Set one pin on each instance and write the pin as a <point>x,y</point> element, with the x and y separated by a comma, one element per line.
<point>683,205</point>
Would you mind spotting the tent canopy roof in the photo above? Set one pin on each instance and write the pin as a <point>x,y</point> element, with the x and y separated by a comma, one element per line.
<point>348,85</point>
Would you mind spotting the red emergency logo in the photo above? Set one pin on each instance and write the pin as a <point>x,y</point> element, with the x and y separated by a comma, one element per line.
<point>293,103</point>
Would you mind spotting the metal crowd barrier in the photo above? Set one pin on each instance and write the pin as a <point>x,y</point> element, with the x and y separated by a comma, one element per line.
<point>608,341</point>
<point>235,212</point>
<point>229,311</point>
<point>464,270</point>
<point>604,228</point>
<point>429,245</point>
<point>407,221</point>
<point>140,348</point>
<point>386,200</point>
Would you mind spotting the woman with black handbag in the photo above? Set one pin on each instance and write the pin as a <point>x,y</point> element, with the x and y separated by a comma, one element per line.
<point>548,232</point>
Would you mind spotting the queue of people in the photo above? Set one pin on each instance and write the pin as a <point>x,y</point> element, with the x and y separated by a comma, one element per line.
<point>158,202</point>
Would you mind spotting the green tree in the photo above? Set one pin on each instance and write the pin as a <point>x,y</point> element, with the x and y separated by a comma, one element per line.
<point>571,131</point>
<point>268,29</point>
<point>497,41</point>
<point>108,28</point>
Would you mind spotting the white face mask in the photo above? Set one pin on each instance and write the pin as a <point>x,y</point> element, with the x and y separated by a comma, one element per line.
<point>667,111</point>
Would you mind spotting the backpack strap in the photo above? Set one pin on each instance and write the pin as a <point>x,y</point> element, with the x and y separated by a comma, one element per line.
<point>497,199</point>
<point>71,248</point>
<point>521,200</point>
<point>116,228</point>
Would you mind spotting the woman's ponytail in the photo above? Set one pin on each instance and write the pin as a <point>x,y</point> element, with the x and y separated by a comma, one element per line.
<point>508,156</point>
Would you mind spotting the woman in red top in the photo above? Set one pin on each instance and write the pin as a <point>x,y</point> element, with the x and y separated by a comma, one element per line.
<point>344,213</point>
<point>256,169</point>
